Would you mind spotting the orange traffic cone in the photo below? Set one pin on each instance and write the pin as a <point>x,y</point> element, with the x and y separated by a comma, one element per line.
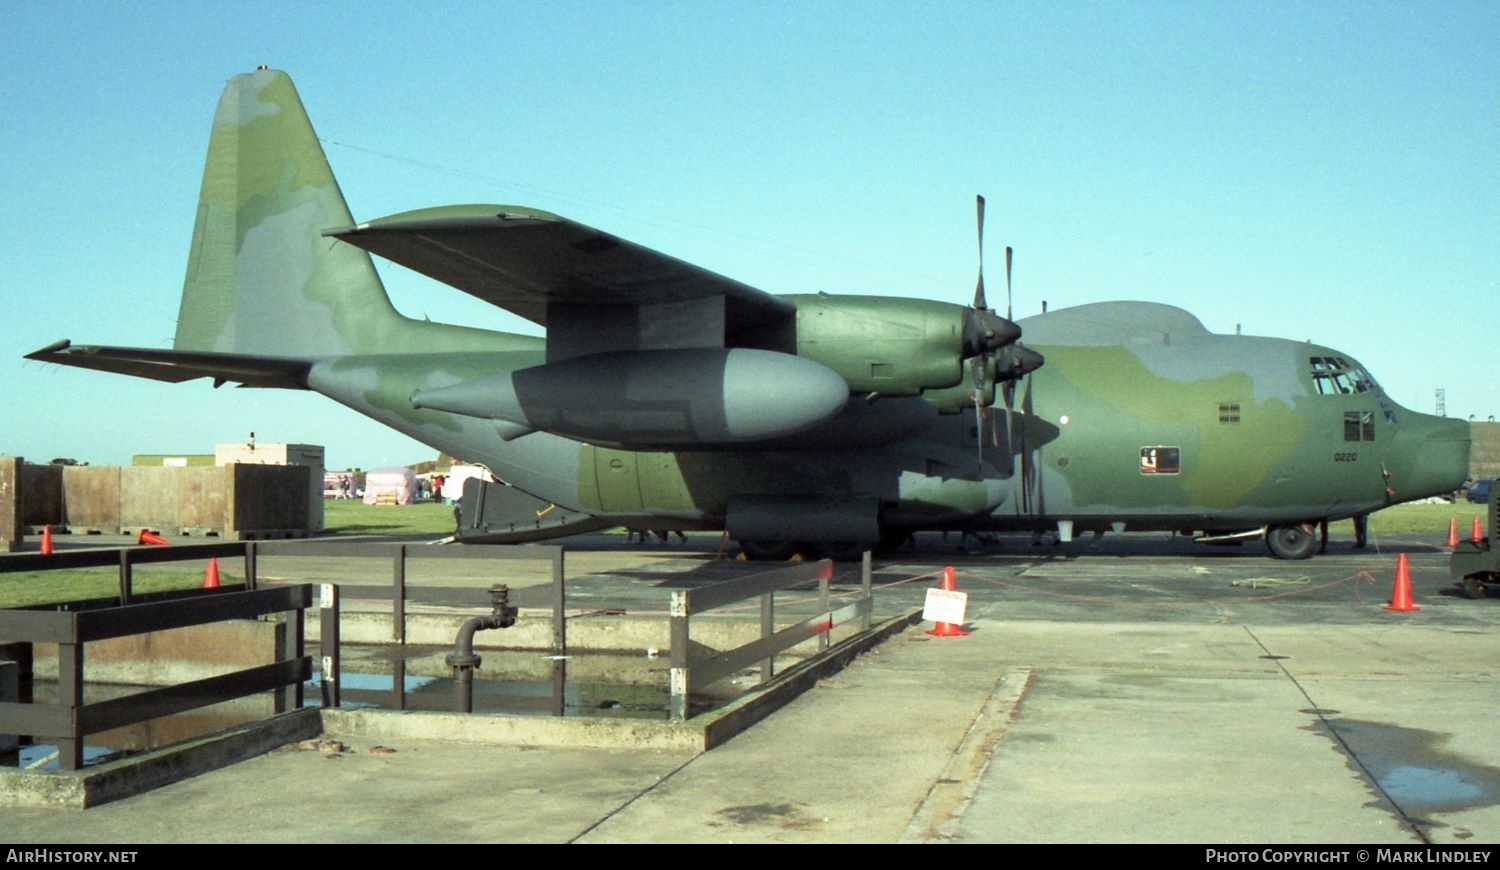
<point>211,574</point>
<point>1452,532</point>
<point>1401,592</point>
<point>46,540</point>
<point>1477,534</point>
<point>150,537</point>
<point>948,629</point>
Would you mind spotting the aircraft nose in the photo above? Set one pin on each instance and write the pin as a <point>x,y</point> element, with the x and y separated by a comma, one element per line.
<point>1430,456</point>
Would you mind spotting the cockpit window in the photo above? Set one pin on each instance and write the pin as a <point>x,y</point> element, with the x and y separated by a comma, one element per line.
<point>1359,425</point>
<point>1334,376</point>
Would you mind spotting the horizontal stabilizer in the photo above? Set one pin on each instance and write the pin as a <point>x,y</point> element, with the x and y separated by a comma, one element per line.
<point>174,366</point>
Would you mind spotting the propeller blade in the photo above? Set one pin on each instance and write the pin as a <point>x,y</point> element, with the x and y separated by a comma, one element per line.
<point>976,375</point>
<point>979,301</point>
<point>1008,256</point>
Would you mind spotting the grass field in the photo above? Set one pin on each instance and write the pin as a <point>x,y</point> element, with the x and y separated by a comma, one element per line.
<point>30,588</point>
<point>354,517</point>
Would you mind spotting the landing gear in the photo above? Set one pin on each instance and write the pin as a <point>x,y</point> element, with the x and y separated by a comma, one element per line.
<point>768,551</point>
<point>1477,585</point>
<point>1474,586</point>
<point>780,551</point>
<point>1291,542</point>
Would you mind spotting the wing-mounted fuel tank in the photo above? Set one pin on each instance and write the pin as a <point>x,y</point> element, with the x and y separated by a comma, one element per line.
<point>691,398</point>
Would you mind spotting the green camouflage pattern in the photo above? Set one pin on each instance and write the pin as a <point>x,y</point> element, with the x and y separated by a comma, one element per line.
<point>1139,418</point>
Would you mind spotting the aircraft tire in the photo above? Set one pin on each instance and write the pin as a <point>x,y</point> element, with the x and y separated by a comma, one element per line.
<point>1291,542</point>
<point>1474,585</point>
<point>768,551</point>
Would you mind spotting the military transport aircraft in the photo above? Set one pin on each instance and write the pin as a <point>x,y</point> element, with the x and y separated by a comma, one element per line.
<point>666,396</point>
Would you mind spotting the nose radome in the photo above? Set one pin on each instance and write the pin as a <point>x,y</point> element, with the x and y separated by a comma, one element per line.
<point>1430,456</point>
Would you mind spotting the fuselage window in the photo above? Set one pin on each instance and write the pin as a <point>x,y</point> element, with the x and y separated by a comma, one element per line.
<point>1229,412</point>
<point>1160,460</point>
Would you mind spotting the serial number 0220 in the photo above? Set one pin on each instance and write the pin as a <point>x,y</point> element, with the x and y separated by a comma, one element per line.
<point>1350,456</point>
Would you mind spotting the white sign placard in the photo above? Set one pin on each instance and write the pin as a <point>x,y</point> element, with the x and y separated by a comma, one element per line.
<point>944,605</point>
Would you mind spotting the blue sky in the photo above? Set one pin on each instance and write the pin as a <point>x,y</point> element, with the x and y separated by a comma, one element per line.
<point>1305,170</point>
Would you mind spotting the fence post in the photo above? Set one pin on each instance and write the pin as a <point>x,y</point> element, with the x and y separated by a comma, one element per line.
<point>70,694</point>
<point>398,594</point>
<point>559,606</point>
<point>678,701</point>
<point>328,642</point>
<point>250,583</point>
<point>124,576</point>
<point>825,637</point>
<point>865,588</point>
<point>767,628</point>
<point>559,637</point>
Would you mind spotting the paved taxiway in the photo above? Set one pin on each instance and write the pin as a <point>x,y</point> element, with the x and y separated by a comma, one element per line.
<point>1136,690</point>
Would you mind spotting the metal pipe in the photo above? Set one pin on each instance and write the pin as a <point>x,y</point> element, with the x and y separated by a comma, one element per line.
<point>463,659</point>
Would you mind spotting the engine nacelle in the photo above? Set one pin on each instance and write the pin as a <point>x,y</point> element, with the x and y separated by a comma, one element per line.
<point>654,399</point>
<point>895,347</point>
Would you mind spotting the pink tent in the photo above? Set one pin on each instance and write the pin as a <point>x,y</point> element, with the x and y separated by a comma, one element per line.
<point>397,485</point>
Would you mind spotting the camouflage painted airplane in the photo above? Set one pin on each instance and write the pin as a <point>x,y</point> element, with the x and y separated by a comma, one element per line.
<point>666,396</point>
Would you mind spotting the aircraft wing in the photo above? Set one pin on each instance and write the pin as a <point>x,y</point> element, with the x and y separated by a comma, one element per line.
<point>175,366</point>
<point>593,291</point>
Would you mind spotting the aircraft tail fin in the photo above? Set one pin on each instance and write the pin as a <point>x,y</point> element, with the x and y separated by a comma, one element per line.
<point>260,278</point>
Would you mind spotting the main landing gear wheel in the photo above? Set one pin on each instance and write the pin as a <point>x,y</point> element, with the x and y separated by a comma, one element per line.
<point>1474,584</point>
<point>768,551</point>
<point>1291,542</point>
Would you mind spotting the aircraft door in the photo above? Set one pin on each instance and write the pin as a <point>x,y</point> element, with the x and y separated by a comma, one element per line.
<point>618,480</point>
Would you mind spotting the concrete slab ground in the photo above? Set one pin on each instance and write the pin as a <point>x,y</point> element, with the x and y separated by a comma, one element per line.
<point>1121,692</point>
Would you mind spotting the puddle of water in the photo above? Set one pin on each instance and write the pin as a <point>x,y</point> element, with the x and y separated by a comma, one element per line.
<point>32,756</point>
<point>496,694</point>
<point>1431,786</point>
<point>524,683</point>
<point>1412,769</point>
